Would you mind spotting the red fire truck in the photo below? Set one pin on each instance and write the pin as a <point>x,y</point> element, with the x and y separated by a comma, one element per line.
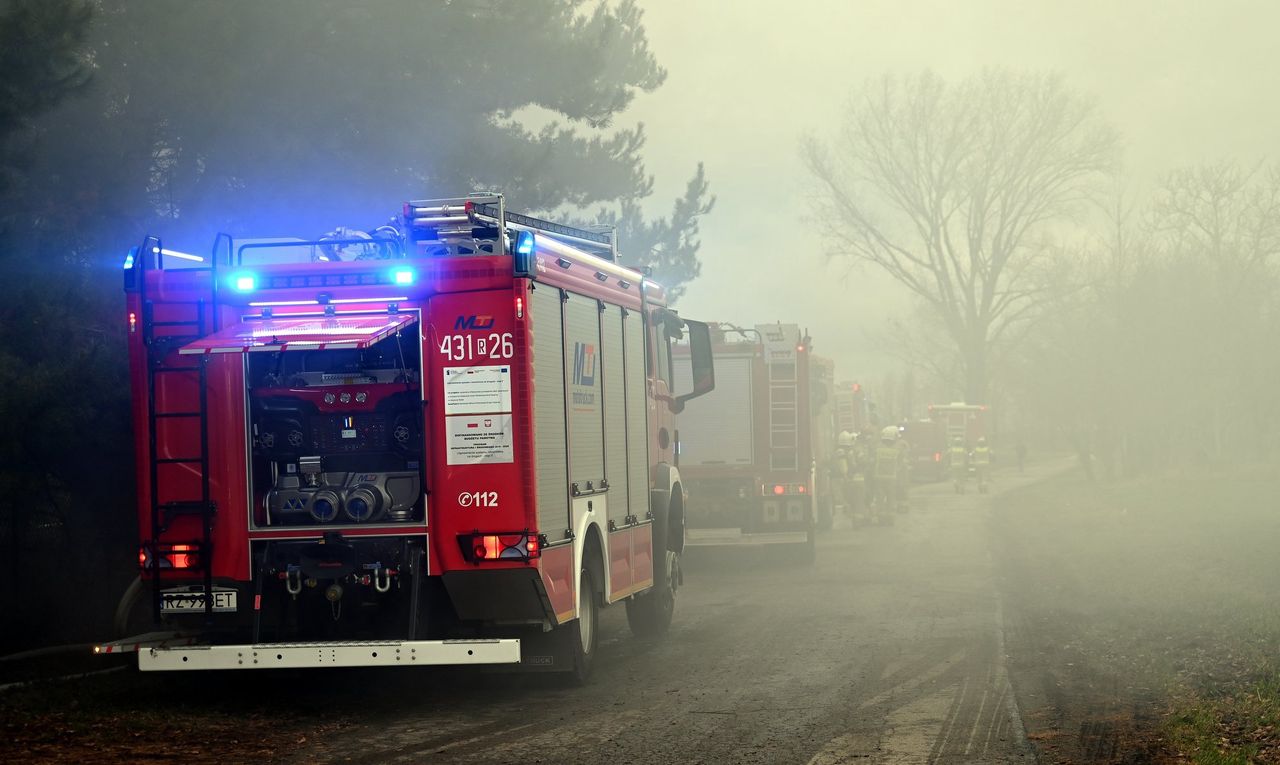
<point>966,421</point>
<point>928,442</point>
<point>746,455</point>
<point>446,441</point>
<point>852,410</point>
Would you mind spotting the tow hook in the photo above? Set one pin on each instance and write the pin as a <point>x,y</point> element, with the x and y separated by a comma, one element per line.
<point>382,580</point>
<point>293,581</point>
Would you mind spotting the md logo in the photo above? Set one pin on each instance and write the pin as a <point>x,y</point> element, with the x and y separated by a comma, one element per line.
<point>584,364</point>
<point>473,322</point>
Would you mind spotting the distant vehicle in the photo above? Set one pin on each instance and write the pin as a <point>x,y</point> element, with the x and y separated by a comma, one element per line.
<point>747,453</point>
<point>445,442</point>
<point>928,442</point>
<point>853,411</point>
<point>968,421</point>
<point>825,433</point>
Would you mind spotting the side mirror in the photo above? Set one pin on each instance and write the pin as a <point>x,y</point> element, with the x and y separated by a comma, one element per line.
<point>701,362</point>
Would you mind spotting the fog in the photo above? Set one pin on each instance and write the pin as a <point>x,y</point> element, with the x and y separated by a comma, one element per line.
<point>1064,216</point>
<point>1185,82</point>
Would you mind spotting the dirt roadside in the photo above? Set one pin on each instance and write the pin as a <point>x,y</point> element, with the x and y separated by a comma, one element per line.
<point>1127,604</point>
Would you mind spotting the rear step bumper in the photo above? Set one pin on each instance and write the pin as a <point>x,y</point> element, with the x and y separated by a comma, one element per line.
<point>736,537</point>
<point>381,653</point>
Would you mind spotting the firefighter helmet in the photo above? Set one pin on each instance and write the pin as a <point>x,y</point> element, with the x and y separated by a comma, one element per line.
<point>846,438</point>
<point>890,433</point>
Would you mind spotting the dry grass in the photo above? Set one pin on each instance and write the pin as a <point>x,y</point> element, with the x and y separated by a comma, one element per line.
<point>1156,599</point>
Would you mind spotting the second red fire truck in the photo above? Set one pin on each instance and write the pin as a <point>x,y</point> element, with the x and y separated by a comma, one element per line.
<point>747,452</point>
<point>446,441</point>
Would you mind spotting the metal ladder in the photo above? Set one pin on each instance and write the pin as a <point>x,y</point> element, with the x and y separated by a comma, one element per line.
<point>463,217</point>
<point>162,513</point>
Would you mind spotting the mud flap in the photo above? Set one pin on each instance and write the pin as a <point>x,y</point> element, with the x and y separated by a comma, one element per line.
<point>544,652</point>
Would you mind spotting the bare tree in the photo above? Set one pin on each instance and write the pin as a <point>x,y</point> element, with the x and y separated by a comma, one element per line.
<point>952,189</point>
<point>1225,213</point>
<point>1226,219</point>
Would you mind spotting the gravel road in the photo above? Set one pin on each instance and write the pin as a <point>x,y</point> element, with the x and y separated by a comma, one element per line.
<point>888,650</point>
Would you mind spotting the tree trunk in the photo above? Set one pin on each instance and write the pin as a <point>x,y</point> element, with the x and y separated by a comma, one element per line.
<point>975,374</point>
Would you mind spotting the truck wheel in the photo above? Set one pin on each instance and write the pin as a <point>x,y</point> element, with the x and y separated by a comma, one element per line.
<point>826,515</point>
<point>649,615</point>
<point>129,620</point>
<point>808,549</point>
<point>579,636</point>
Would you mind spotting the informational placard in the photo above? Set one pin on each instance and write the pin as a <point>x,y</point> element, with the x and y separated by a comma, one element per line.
<point>477,390</point>
<point>481,439</point>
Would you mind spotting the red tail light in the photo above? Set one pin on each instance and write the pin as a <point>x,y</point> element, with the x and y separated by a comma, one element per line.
<point>779,489</point>
<point>801,488</point>
<point>519,307</point>
<point>513,546</point>
<point>937,456</point>
<point>183,556</point>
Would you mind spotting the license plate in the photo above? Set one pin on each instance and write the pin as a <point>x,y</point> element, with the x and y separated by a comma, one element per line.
<point>192,600</point>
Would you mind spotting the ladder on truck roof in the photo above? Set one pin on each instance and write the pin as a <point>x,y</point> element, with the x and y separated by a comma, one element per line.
<point>175,333</point>
<point>484,217</point>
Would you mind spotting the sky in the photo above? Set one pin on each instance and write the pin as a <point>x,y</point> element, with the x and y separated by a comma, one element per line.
<point>1185,82</point>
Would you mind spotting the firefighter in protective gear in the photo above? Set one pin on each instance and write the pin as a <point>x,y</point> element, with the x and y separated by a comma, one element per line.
<point>890,462</point>
<point>856,488</point>
<point>847,441</point>
<point>958,458</point>
<point>904,474</point>
<point>866,451</point>
<point>838,476</point>
<point>982,463</point>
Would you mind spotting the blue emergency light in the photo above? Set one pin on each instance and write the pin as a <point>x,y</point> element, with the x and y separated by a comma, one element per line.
<point>244,282</point>
<point>403,276</point>
<point>524,243</point>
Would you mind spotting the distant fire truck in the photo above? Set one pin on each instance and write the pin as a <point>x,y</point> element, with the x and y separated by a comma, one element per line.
<point>852,410</point>
<point>746,450</point>
<point>928,442</point>
<point>966,421</point>
<point>447,441</point>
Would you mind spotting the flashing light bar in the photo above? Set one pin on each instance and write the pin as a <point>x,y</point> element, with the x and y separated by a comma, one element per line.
<point>342,301</point>
<point>244,282</point>
<point>176,254</point>
<point>339,301</point>
<point>403,276</point>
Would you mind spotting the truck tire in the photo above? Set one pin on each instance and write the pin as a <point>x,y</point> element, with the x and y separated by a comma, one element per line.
<point>826,514</point>
<point>580,635</point>
<point>649,614</point>
<point>127,621</point>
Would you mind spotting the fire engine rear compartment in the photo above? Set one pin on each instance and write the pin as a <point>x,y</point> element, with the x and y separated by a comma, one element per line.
<point>745,446</point>
<point>470,459</point>
<point>334,422</point>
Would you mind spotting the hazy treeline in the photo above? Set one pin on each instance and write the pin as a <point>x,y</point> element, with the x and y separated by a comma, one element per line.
<point>1159,349</point>
<point>1134,323</point>
<point>287,118</point>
